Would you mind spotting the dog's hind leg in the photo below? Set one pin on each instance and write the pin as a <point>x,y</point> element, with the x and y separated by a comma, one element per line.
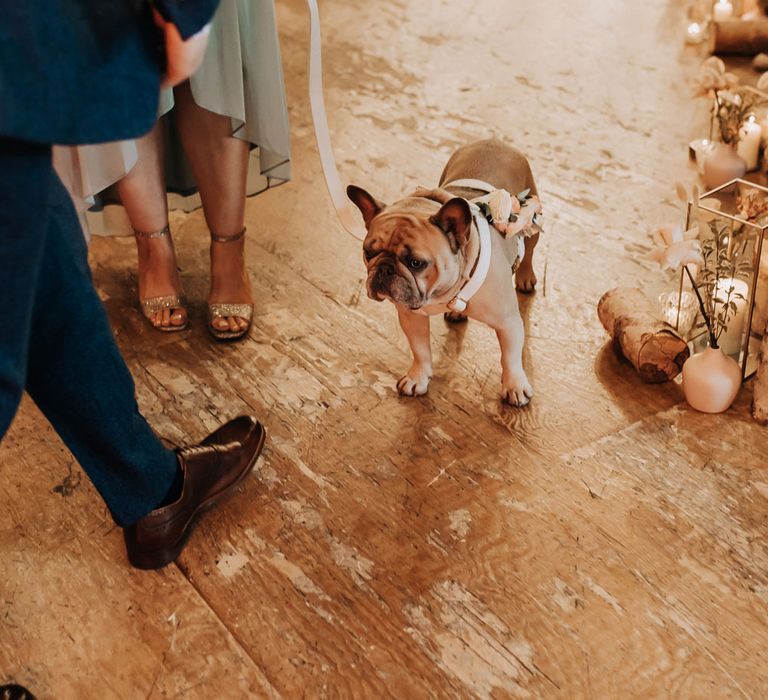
<point>525,277</point>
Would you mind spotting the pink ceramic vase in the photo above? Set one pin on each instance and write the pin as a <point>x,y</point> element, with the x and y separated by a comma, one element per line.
<point>722,164</point>
<point>711,381</point>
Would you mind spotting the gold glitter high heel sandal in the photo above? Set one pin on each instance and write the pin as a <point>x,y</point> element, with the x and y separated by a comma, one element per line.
<point>150,306</point>
<point>216,311</point>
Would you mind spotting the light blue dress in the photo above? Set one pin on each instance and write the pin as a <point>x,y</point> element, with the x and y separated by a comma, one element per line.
<point>241,77</point>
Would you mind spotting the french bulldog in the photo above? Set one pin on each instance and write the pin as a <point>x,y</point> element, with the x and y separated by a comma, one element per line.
<point>421,250</point>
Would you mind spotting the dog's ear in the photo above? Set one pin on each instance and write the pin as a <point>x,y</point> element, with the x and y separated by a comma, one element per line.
<point>454,220</point>
<point>367,205</point>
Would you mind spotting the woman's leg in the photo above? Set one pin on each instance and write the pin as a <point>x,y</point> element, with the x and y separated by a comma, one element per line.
<point>142,192</point>
<point>219,164</point>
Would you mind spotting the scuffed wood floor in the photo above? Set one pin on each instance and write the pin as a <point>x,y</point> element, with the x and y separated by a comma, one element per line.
<point>606,542</point>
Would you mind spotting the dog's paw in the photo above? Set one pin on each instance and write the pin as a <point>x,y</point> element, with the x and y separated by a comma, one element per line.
<point>415,383</point>
<point>516,390</point>
<point>525,280</point>
<point>454,317</point>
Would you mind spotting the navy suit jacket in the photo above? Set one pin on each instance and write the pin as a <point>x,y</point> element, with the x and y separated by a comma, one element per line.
<point>85,71</point>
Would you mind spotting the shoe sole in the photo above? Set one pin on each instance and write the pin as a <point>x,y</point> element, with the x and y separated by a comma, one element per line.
<point>159,558</point>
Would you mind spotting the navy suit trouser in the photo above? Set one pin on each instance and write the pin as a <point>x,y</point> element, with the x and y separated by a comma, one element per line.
<point>56,342</point>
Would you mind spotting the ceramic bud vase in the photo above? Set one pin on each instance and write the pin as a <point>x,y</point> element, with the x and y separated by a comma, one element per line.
<point>711,381</point>
<point>722,164</point>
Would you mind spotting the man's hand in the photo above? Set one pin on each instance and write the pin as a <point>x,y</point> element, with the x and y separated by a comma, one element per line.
<point>183,58</point>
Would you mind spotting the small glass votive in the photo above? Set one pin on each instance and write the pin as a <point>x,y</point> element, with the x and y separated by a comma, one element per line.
<point>681,318</point>
<point>700,148</point>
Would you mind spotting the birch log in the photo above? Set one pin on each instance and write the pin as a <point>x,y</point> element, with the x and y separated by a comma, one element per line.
<point>760,395</point>
<point>653,347</point>
<point>746,37</point>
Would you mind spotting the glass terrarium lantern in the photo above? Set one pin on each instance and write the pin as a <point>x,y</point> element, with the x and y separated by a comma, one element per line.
<point>733,221</point>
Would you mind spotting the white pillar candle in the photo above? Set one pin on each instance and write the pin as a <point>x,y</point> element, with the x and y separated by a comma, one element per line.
<point>730,338</point>
<point>723,9</point>
<point>748,147</point>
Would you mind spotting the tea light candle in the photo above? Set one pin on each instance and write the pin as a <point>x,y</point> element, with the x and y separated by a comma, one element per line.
<point>748,147</point>
<point>695,33</point>
<point>723,9</point>
<point>679,311</point>
<point>730,338</point>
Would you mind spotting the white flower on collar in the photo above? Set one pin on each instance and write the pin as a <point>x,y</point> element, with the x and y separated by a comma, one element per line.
<point>512,214</point>
<point>501,207</point>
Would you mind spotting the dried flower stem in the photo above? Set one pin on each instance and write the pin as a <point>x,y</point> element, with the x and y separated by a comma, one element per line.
<point>712,339</point>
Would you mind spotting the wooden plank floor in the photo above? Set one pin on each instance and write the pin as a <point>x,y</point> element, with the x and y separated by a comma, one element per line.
<point>606,542</point>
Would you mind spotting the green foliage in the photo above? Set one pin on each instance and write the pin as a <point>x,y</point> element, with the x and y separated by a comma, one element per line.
<point>724,252</point>
<point>485,209</point>
<point>731,108</point>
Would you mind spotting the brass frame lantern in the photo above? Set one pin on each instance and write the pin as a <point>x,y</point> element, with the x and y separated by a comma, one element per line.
<point>724,225</point>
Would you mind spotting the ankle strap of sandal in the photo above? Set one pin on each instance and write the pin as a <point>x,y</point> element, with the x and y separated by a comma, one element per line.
<point>228,239</point>
<point>165,231</point>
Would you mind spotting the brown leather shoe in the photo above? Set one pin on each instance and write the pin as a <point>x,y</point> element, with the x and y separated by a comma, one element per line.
<point>212,471</point>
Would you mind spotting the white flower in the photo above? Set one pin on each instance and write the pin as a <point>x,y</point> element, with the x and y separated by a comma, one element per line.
<point>712,77</point>
<point>676,248</point>
<point>509,215</point>
<point>528,220</point>
<point>500,204</point>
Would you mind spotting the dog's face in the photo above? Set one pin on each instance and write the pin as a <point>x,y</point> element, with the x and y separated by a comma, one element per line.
<point>414,248</point>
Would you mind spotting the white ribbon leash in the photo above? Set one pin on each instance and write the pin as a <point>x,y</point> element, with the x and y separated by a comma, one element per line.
<point>348,216</point>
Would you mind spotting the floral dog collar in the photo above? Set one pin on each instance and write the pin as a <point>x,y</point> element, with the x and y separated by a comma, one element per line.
<point>511,215</point>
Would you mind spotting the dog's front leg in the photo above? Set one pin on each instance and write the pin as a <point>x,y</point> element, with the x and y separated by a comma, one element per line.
<point>515,387</point>
<point>416,329</point>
